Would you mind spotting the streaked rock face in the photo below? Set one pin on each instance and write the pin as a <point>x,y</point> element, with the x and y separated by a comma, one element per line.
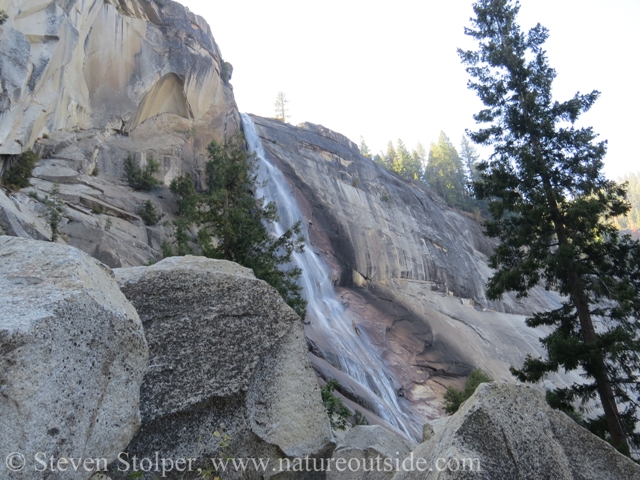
<point>72,357</point>
<point>88,83</point>
<point>410,271</point>
<point>106,64</point>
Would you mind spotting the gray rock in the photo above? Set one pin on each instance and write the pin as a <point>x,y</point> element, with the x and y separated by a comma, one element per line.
<point>86,84</point>
<point>410,271</point>
<point>226,354</point>
<point>368,452</point>
<point>427,432</point>
<point>107,64</point>
<point>72,357</point>
<point>507,431</point>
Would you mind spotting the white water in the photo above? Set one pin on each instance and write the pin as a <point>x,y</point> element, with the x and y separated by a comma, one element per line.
<point>356,355</point>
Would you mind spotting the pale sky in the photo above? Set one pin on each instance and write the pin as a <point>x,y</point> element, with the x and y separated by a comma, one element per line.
<point>390,70</point>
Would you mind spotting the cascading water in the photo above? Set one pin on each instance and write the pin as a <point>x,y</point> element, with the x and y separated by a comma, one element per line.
<point>354,354</point>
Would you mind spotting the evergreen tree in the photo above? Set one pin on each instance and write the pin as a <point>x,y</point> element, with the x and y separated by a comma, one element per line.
<point>420,157</point>
<point>551,210</point>
<point>231,221</point>
<point>282,112</point>
<point>631,221</point>
<point>364,149</point>
<point>469,156</point>
<point>404,164</point>
<point>389,158</point>
<point>444,172</point>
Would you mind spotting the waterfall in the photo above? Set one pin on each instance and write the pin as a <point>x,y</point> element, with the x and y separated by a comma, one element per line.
<point>354,353</point>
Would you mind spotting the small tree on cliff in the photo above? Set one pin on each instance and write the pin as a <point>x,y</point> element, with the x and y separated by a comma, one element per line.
<point>282,112</point>
<point>551,210</point>
<point>231,221</point>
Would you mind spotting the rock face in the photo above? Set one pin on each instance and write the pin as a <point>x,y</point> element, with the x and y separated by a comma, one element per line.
<point>373,452</point>
<point>507,431</point>
<point>226,354</point>
<point>410,271</point>
<point>72,357</point>
<point>105,64</point>
<point>86,84</point>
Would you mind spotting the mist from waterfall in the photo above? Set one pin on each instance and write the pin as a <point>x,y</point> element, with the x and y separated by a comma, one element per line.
<point>355,354</point>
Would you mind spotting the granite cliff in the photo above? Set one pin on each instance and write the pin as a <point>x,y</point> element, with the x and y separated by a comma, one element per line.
<point>86,84</point>
<point>410,271</point>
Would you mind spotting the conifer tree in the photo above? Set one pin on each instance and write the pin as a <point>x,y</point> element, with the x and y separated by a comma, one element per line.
<point>552,212</point>
<point>469,156</point>
<point>281,110</point>
<point>231,222</point>
<point>364,149</point>
<point>444,172</point>
<point>389,157</point>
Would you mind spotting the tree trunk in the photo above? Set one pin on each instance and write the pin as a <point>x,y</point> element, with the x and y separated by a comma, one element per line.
<point>581,303</point>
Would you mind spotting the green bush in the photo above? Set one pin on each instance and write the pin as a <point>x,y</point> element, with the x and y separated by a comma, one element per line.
<point>3,17</point>
<point>336,410</point>
<point>18,176</point>
<point>359,418</point>
<point>149,214</point>
<point>54,211</point>
<point>453,398</point>
<point>141,179</point>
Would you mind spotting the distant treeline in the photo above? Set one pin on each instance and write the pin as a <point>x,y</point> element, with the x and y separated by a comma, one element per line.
<point>445,170</point>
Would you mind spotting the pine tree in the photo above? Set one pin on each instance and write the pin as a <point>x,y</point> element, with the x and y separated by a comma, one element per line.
<point>444,172</point>
<point>551,210</point>
<point>469,156</point>
<point>231,221</point>
<point>404,163</point>
<point>282,112</point>
<point>420,157</point>
<point>364,149</point>
<point>389,158</point>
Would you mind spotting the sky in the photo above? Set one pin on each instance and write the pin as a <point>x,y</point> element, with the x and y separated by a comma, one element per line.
<point>390,70</point>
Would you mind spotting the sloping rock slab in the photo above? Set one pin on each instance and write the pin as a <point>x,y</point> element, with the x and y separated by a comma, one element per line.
<point>226,354</point>
<point>368,452</point>
<point>72,358</point>
<point>506,432</point>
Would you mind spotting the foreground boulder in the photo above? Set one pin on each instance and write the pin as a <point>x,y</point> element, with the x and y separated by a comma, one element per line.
<point>227,355</point>
<point>506,432</point>
<point>72,358</point>
<point>368,452</point>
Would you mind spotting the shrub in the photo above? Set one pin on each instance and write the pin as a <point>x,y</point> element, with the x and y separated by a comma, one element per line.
<point>54,211</point>
<point>149,214</point>
<point>453,398</point>
<point>336,410</point>
<point>18,176</point>
<point>359,418</point>
<point>181,240</point>
<point>141,179</point>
